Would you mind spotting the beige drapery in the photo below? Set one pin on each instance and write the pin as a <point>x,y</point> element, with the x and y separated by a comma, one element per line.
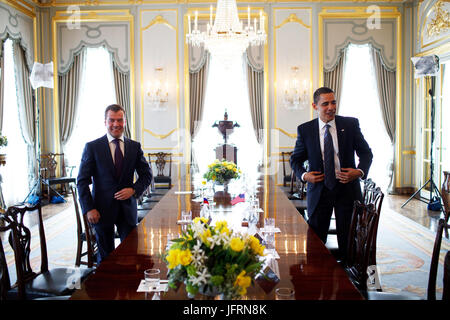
<point>2,83</point>
<point>386,85</point>
<point>25,100</point>
<point>197,89</point>
<point>68,87</point>
<point>255,80</point>
<point>333,77</point>
<point>122,88</point>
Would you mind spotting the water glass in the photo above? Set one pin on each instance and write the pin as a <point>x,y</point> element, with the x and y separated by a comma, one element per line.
<point>186,216</point>
<point>269,224</point>
<point>151,277</point>
<point>284,294</point>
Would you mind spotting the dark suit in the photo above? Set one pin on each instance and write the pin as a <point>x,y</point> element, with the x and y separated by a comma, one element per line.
<point>320,200</point>
<point>97,167</point>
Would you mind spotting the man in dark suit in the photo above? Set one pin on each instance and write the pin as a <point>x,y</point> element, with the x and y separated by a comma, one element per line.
<point>329,144</point>
<point>109,164</point>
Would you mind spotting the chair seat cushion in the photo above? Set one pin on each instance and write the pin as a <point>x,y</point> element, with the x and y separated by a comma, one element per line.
<point>58,281</point>
<point>162,179</point>
<point>60,180</point>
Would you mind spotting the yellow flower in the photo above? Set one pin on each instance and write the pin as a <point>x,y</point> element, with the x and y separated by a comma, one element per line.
<point>172,258</point>
<point>203,182</point>
<point>205,235</point>
<point>236,244</point>
<point>213,177</point>
<point>217,169</point>
<point>230,167</point>
<point>185,257</point>
<point>243,282</point>
<point>202,219</point>
<point>234,169</point>
<point>256,246</point>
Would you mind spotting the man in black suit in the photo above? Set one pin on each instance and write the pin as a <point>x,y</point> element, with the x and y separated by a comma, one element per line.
<point>109,164</point>
<point>329,144</point>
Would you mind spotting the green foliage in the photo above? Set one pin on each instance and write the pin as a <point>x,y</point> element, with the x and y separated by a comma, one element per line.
<point>221,171</point>
<point>3,141</point>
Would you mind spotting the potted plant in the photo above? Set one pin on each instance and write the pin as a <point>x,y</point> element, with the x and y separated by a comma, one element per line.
<point>214,260</point>
<point>3,144</point>
<point>221,172</point>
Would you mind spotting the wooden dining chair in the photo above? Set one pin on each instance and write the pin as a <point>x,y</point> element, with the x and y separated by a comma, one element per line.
<point>5,282</point>
<point>360,242</point>
<point>287,176</point>
<point>445,194</point>
<point>431,291</point>
<point>446,281</point>
<point>48,282</point>
<point>85,234</point>
<point>55,172</point>
<point>162,176</point>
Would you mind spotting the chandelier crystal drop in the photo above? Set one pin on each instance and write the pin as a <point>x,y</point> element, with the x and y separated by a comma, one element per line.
<point>227,37</point>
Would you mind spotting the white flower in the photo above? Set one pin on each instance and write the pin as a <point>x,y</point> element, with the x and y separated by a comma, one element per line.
<point>214,240</point>
<point>202,277</point>
<point>198,229</point>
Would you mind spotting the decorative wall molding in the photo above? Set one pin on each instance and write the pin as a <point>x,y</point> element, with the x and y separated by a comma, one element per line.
<point>16,25</point>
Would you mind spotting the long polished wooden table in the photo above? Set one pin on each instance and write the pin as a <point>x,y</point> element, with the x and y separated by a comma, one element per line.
<point>305,264</point>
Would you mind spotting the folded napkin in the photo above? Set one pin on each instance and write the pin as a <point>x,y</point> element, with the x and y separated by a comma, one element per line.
<point>143,287</point>
<point>272,230</point>
<point>183,192</point>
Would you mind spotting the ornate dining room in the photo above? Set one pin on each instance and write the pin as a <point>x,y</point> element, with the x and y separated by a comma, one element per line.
<point>206,151</point>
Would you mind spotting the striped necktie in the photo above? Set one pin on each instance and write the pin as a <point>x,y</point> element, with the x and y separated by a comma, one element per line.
<point>118,158</point>
<point>328,159</point>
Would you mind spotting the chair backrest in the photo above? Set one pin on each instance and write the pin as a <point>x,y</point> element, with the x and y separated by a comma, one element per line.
<point>361,234</point>
<point>285,156</point>
<point>445,193</point>
<point>446,282</point>
<point>84,226</point>
<point>161,158</point>
<point>5,282</point>
<point>53,165</point>
<point>20,239</point>
<point>431,291</point>
<point>367,184</point>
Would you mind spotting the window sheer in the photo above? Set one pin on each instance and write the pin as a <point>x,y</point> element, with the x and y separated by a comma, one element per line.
<point>360,100</point>
<point>15,172</point>
<point>97,92</point>
<point>227,90</point>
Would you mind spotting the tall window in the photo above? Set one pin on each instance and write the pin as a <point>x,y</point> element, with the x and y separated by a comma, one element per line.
<point>97,92</point>
<point>445,115</point>
<point>226,90</point>
<point>360,100</point>
<point>15,172</point>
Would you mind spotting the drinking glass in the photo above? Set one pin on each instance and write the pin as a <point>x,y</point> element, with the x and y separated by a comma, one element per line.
<point>186,216</point>
<point>269,224</point>
<point>151,277</point>
<point>284,294</point>
<point>270,243</point>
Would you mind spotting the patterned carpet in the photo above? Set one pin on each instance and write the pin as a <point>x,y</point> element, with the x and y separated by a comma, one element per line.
<point>403,249</point>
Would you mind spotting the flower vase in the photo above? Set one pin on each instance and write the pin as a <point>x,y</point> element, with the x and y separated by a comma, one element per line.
<point>221,195</point>
<point>211,292</point>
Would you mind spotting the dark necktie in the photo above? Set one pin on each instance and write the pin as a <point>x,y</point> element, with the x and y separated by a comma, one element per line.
<point>328,159</point>
<point>118,158</point>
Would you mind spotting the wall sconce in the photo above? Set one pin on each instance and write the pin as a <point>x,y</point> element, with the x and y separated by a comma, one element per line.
<point>296,96</point>
<point>157,93</point>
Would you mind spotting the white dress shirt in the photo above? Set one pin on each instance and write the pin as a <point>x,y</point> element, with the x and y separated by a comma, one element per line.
<point>112,145</point>
<point>333,132</point>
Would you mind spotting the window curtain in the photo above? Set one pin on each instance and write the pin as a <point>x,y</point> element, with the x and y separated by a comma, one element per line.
<point>2,83</point>
<point>25,100</point>
<point>386,85</point>
<point>68,87</point>
<point>2,86</point>
<point>255,80</point>
<point>197,87</point>
<point>122,88</point>
<point>333,77</point>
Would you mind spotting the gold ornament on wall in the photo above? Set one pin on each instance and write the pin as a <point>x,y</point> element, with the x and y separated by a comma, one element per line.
<point>441,21</point>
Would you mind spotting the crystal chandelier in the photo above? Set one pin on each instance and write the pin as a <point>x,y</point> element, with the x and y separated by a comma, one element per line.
<point>157,96</point>
<point>296,97</point>
<point>227,37</point>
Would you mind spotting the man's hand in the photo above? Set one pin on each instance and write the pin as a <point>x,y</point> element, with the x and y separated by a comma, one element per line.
<point>314,176</point>
<point>124,194</point>
<point>347,175</point>
<point>93,216</point>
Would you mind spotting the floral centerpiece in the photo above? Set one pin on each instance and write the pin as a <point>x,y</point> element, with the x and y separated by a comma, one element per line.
<point>214,259</point>
<point>222,171</point>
